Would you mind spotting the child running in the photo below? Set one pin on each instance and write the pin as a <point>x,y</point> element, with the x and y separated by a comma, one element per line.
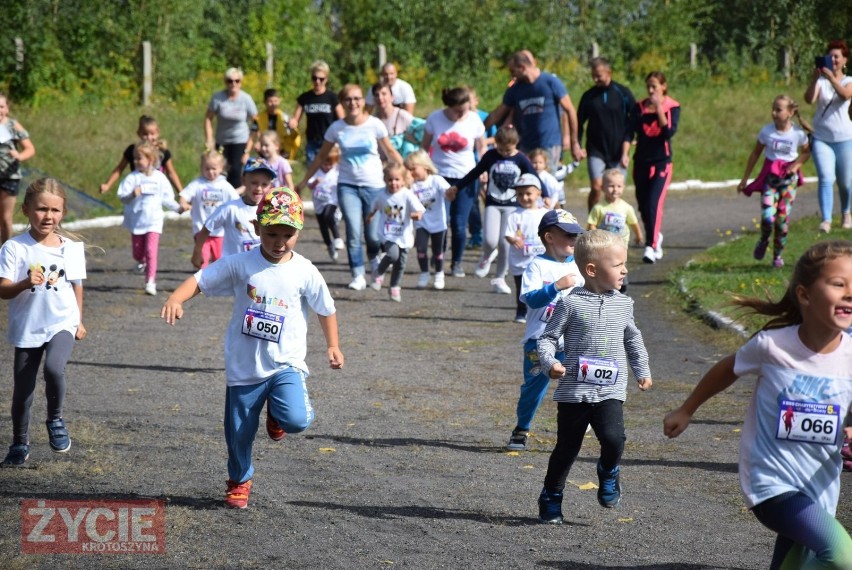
<point>522,234</point>
<point>595,325</point>
<point>397,207</point>
<point>15,147</point>
<point>41,273</point>
<point>269,142</point>
<point>236,217</point>
<point>148,131</point>
<point>431,190</point>
<point>614,214</point>
<point>552,190</point>
<point>266,341</point>
<point>780,175</point>
<point>323,186</point>
<point>145,192</point>
<point>548,277</point>
<point>790,451</point>
<point>202,196</point>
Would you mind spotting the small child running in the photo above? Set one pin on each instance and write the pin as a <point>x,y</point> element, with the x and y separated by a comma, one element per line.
<point>552,190</point>
<point>397,206</point>
<point>269,142</point>
<point>548,278</point>
<point>431,190</point>
<point>323,186</point>
<point>147,131</point>
<point>595,325</point>
<point>266,341</point>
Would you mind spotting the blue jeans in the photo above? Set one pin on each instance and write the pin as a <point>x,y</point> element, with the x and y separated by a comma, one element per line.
<point>288,403</point>
<point>459,213</point>
<point>355,203</point>
<point>833,161</point>
<point>311,151</point>
<point>535,385</point>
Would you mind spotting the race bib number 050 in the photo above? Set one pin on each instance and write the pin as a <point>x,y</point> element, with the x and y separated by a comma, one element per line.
<point>263,325</point>
<point>808,422</point>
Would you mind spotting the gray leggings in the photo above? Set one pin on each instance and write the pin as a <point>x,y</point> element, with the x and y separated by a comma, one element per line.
<point>493,232</point>
<point>57,351</point>
<point>395,257</point>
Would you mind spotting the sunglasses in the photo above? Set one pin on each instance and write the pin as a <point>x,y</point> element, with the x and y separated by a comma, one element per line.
<point>353,99</point>
<point>320,79</point>
<point>230,81</point>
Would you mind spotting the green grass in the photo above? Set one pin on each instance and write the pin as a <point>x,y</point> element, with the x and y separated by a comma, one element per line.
<point>712,278</point>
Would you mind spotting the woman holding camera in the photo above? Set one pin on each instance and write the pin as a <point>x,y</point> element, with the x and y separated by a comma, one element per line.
<point>831,89</point>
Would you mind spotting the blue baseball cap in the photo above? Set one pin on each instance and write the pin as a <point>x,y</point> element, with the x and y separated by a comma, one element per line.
<point>562,219</point>
<point>259,165</point>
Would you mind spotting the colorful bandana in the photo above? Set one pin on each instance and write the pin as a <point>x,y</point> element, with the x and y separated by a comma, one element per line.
<point>281,206</point>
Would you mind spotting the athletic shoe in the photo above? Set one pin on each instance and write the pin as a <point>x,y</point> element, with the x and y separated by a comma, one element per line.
<point>58,436</point>
<point>376,283</point>
<point>338,243</point>
<point>358,283</point>
<point>847,221</point>
<point>151,288</point>
<point>17,456</point>
<point>760,249</point>
<point>564,170</point>
<point>778,262</point>
<point>846,455</point>
<point>273,428</point>
<point>140,268</point>
<point>650,255</point>
<point>825,227</point>
<point>423,280</point>
<point>549,507</point>
<point>518,440</point>
<point>484,265</point>
<point>498,285</point>
<point>457,270</point>
<point>609,487</point>
<point>439,281</point>
<point>475,241</point>
<point>521,317</point>
<point>237,495</point>
<point>332,252</point>
<point>396,294</point>
<point>658,251</point>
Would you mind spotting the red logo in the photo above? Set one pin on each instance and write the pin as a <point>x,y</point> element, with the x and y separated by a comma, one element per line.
<point>97,526</point>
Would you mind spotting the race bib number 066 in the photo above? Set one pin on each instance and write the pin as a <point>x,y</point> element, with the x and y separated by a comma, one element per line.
<point>263,325</point>
<point>808,422</point>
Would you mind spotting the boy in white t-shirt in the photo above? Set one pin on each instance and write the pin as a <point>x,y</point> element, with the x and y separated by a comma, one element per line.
<point>548,277</point>
<point>265,344</point>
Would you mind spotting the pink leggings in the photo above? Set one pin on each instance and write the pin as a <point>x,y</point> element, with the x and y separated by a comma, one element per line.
<point>145,249</point>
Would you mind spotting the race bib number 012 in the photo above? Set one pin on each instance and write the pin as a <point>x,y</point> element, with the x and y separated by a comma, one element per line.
<point>808,422</point>
<point>263,325</point>
<point>600,371</point>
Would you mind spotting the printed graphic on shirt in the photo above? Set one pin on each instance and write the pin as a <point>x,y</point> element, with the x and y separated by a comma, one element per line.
<point>532,106</point>
<point>452,142</point>
<point>52,275</point>
<point>360,146</point>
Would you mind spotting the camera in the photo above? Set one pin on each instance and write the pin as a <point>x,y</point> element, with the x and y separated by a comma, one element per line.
<point>824,61</point>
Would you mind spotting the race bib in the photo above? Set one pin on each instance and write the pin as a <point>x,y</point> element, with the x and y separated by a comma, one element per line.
<point>393,229</point>
<point>250,244</point>
<point>808,422</point>
<point>600,371</point>
<point>533,248</point>
<point>614,222</point>
<point>149,188</point>
<point>263,325</point>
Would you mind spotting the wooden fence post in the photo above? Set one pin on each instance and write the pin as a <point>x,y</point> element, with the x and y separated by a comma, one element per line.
<point>19,54</point>
<point>147,85</point>
<point>596,50</point>
<point>270,62</point>
<point>693,56</point>
<point>383,56</point>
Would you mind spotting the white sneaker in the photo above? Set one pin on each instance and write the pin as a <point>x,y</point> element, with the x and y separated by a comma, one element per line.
<point>658,251</point>
<point>358,283</point>
<point>332,253</point>
<point>484,265</point>
<point>439,281</point>
<point>338,243</point>
<point>457,271</point>
<point>650,255</point>
<point>498,285</point>
<point>423,280</point>
<point>396,294</point>
<point>825,227</point>
<point>376,284</point>
<point>847,221</point>
<point>151,288</point>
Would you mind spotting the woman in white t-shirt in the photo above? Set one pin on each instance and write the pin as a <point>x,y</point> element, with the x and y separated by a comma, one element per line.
<point>790,458</point>
<point>360,181</point>
<point>831,90</point>
<point>451,136</point>
<point>396,120</point>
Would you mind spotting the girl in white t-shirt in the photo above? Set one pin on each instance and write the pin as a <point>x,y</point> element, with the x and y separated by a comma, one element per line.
<point>41,273</point>
<point>790,458</point>
<point>431,190</point>
<point>777,181</point>
<point>144,193</point>
<point>323,187</point>
<point>202,196</point>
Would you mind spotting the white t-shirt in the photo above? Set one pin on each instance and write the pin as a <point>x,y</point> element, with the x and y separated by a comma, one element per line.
<point>395,216</point>
<point>234,218</point>
<point>205,196</point>
<point>807,392</point>
<point>544,270</point>
<point>144,213</point>
<point>270,301</point>
<point>360,164</point>
<point>555,188</point>
<point>453,143</point>
<point>432,194</point>
<point>782,145</point>
<point>831,117</point>
<point>37,314</point>
<point>523,223</point>
<point>324,193</point>
<point>402,93</point>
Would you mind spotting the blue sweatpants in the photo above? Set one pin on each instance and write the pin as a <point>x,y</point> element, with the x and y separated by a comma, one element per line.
<point>534,387</point>
<point>288,403</point>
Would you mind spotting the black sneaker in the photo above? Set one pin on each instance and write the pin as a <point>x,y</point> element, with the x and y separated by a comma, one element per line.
<point>17,456</point>
<point>549,507</point>
<point>518,440</point>
<point>609,487</point>
<point>58,436</point>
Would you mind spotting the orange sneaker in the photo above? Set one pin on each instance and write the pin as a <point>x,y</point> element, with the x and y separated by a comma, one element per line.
<point>237,494</point>
<point>272,428</point>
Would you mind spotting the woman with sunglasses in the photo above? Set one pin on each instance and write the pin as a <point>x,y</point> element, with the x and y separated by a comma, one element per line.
<point>234,111</point>
<point>360,180</point>
<point>320,108</point>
